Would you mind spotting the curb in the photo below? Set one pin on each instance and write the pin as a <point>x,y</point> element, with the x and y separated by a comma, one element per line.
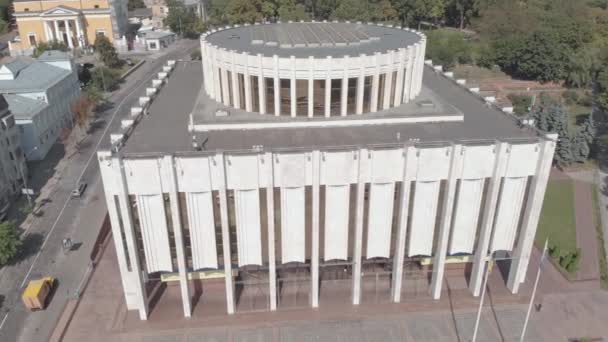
<point>133,68</point>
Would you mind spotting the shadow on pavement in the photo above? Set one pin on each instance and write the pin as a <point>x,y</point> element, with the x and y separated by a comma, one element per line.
<point>31,245</point>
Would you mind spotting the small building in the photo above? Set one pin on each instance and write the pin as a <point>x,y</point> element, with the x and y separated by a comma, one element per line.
<point>12,163</point>
<point>157,40</point>
<point>75,23</point>
<point>39,93</point>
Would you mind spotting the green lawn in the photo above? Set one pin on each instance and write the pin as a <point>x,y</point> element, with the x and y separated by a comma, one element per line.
<point>557,217</point>
<point>577,114</point>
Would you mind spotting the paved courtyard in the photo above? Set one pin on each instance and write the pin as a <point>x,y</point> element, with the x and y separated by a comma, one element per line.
<point>567,313</point>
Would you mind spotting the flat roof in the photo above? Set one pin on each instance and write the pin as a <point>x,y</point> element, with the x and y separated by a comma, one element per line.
<point>165,130</point>
<point>315,39</point>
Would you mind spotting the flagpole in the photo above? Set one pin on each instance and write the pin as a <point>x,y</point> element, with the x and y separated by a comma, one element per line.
<point>540,267</point>
<point>483,294</point>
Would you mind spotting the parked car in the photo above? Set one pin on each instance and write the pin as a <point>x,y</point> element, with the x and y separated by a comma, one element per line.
<point>79,190</point>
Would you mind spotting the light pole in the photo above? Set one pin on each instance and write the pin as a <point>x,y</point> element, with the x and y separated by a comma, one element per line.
<point>25,188</point>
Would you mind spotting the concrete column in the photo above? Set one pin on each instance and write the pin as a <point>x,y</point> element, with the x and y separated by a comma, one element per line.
<point>179,239</point>
<point>56,36</point>
<point>455,172</point>
<point>344,91</point>
<point>127,221</point>
<point>123,259</point>
<point>421,63</point>
<point>487,219</point>
<point>409,166</point>
<point>314,255</point>
<point>311,86</point>
<point>216,76</point>
<point>536,194</point>
<point>261,85</point>
<point>47,31</point>
<point>248,102</point>
<point>414,63</point>
<point>408,75</point>
<point>79,34</point>
<point>236,93</point>
<point>225,89</point>
<point>292,87</point>
<point>361,85</point>
<point>358,230</point>
<point>230,308</point>
<point>375,83</point>
<point>68,33</point>
<point>328,88</point>
<point>388,81</point>
<point>277,87</point>
<point>272,273</point>
<point>399,83</point>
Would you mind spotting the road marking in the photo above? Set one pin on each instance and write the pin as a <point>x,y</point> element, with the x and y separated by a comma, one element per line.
<point>3,320</point>
<point>80,177</point>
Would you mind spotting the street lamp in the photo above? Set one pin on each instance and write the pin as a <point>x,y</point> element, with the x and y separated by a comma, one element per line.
<point>26,190</point>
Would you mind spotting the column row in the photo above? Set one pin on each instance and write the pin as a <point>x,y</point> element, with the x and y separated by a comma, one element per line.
<point>325,218</point>
<point>68,31</point>
<point>292,91</point>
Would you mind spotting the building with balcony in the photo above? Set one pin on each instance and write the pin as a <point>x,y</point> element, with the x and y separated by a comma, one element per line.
<point>75,23</point>
<point>39,93</point>
<point>313,164</point>
<point>12,162</point>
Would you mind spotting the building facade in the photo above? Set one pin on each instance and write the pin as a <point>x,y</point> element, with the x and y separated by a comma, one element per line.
<point>75,23</point>
<point>39,93</point>
<point>405,171</point>
<point>12,162</point>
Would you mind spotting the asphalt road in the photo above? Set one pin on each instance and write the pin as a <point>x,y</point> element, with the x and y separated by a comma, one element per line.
<point>78,219</point>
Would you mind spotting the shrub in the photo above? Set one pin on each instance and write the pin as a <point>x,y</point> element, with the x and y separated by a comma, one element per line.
<point>571,97</point>
<point>521,103</point>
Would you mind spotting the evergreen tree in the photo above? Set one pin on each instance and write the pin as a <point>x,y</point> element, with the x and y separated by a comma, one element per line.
<point>580,148</point>
<point>551,117</point>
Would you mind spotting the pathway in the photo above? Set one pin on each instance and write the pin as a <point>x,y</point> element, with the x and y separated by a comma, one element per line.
<point>586,238</point>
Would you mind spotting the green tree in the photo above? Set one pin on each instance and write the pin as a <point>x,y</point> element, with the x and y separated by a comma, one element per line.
<point>351,10</point>
<point>106,51</point>
<point>290,10</point>
<point>46,46</point>
<point>10,243</point>
<point>447,48</point>
<point>184,21</point>
<point>323,9</point>
<point>105,78</point>
<point>134,4</point>
<point>580,148</point>
<point>247,11</point>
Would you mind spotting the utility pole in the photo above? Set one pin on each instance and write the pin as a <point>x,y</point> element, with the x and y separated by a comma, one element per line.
<point>540,267</point>
<point>483,294</point>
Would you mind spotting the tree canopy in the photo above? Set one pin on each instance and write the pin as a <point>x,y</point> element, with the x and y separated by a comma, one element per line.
<point>9,242</point>
<point>183,20</point>
<point>106,51</point>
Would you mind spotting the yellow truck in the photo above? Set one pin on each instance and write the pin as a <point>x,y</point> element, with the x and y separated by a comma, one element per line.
<point>36,294</point>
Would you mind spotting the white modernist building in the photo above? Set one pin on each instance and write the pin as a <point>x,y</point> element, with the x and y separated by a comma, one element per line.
<point>313,69</point>
<point>406,172</point>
